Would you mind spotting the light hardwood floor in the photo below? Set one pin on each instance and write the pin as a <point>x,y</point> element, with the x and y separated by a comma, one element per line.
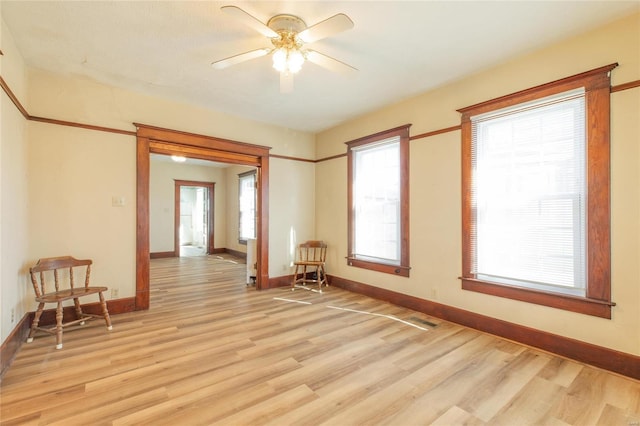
<point>212,351</point>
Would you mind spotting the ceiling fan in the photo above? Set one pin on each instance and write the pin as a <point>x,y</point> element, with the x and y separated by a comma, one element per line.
<point>289,36</point>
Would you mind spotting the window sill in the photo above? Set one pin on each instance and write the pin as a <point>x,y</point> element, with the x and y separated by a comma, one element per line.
<point>402,271</point>
<point>582,305</point>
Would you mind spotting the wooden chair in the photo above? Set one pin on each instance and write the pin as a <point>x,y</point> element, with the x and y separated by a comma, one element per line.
<point>310,259</point>
<point>62,269</point>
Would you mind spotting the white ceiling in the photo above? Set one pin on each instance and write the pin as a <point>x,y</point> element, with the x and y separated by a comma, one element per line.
<point>401,48</point>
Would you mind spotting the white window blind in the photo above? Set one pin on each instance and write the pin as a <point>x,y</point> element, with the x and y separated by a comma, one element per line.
<point>376,198</point>
<point>528,194</point>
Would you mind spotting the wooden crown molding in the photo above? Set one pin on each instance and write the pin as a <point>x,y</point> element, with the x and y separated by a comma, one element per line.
<point>7,90</point>
<point>23,111</point>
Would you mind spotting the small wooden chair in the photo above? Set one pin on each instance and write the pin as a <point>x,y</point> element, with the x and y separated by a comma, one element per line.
<point>64,289</point>
<point>311,254</point>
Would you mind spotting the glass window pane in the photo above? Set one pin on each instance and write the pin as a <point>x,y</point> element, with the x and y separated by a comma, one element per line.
<point>247,206</point>
<point>376,197</point>
<point>528,191</point>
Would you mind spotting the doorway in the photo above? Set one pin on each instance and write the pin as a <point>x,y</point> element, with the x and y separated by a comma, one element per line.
<point>151,139</point>
<point>194,230</point>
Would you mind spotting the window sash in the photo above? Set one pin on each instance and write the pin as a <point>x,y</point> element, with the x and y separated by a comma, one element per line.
<point>376,198</point>
<point>247,206</point>
<point>528,191</point>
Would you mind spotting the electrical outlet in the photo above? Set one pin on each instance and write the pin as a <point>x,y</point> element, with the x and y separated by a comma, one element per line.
<point>114,293</point>
<point>13,315</point>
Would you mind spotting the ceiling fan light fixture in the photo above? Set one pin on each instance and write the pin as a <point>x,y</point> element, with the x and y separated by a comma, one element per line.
<point>280,59</point>
<point>286,59</point>
<point>288,35</point>
<point>295,60</point>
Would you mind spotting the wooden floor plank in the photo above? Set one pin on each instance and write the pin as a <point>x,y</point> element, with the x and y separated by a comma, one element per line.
<point>456,416</point>
<point>532,405</point>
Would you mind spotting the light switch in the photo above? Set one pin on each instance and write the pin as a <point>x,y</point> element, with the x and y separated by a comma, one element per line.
<point>117,201</point>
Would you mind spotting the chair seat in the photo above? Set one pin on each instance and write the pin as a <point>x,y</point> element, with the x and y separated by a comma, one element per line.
<point>69,294</point>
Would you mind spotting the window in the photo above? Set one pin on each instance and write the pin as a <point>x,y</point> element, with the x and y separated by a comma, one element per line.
<point>247,206</point>
<point>535,185</point>
<point>528,194</point>
<point>378,198</point>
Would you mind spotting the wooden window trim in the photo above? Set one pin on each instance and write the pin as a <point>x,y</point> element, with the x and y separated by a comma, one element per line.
<point>597,301</point>
<point>352,260</point>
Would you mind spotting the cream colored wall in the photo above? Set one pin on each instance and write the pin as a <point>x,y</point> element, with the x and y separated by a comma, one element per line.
<point>435,187</point>
<point>73,176</point>
<point>161,201</point>
<point>78,99</point>
<point>14,260</point>
<point>293,187</point>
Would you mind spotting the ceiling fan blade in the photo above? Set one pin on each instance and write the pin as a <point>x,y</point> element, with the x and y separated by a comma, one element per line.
<point>328,27</point>
<point>242,57</point>
<point>328,62</point>
<point>249,20</point>
<point>286,82</point>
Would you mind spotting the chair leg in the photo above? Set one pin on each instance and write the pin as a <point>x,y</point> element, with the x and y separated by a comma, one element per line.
<point>105,311</point>
<point>36,320</point>
<point>317,278</point>
<point>320,272</point>
<point>324,276</point>
<point>59,326</point>
<point>76,303</point>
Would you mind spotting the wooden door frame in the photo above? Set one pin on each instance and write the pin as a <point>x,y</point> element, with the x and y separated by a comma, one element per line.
<point>211,186</point>
<point>151,139</point>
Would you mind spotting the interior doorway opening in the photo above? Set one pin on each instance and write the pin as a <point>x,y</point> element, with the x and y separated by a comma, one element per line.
<point>193,216</point>
<point>194,230</point>
<point>151,139</point>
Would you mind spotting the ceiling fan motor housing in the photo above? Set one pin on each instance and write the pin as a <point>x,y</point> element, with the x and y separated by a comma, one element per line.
<point>287,27</point>
<point>286,23</point>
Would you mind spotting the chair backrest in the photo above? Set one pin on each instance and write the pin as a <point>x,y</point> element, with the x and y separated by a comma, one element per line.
<point>312,251</point>
<point>65,264</point>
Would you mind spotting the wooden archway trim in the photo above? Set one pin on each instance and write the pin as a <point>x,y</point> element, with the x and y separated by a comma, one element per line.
<point>203,153</point>
<point>192,139</point>
<point>172,142</point>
